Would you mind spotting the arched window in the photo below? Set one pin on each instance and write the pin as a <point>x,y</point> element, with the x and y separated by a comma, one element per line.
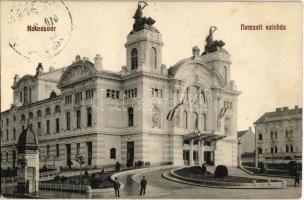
<point>31,115</point>
<point>25,95</point>
<point>153,58</point>
<point>291,148</point>
<point>275,149</point>
<point>39,113</point>
<point>287,148</point>
<point>225,74</point>
<point>47,111</point>
<point>187,93</point>
<point>23,117</point>
<point>185,119</point>
<point>227,126</point>
<point>130,116</point>
<point>112,153</point>
<point>204,121</point>
<point>57,109</point>
<point>134,59</point>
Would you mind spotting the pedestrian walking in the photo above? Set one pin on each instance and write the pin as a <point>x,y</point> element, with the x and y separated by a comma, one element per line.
<point>204,169</point>
<point>297,179</point>
<point>116,186</point>
<point>143,185</point>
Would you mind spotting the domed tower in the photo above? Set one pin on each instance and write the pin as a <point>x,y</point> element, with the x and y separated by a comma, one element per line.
<point>144,44</point>
<point>28,162</point>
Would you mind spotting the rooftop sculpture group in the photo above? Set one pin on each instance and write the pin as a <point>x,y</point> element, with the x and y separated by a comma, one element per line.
<point>140,21</point>
<point>212,45</point>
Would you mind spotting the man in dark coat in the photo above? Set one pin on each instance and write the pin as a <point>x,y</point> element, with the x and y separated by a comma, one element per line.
<point>204,169</point>
<point>143,185</point>
<point>116,186</point>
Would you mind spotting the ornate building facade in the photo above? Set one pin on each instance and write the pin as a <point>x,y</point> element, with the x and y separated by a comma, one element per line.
<point>279,137</point>
<point>183,114</point>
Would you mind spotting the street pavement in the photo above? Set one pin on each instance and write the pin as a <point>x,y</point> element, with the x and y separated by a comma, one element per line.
<point>159,187</point>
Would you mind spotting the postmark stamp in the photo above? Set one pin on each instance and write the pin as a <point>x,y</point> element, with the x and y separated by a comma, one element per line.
<point>39,29</point>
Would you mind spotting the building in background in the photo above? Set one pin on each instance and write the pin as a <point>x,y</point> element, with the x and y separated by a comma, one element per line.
<point>246,147</point>
<point>105,116</point>
<point>279,137</point>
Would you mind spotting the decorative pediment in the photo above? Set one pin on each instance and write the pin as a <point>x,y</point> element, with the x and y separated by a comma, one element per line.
<point>77,72</point>
<point>195,70</point>
<point>23,80</point>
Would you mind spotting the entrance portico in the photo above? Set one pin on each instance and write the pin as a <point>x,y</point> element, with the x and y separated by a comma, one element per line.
<point>204,144</point>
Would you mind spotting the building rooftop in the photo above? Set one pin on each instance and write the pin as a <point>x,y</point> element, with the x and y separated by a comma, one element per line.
<point>241,133</point>
<point>279,113</point>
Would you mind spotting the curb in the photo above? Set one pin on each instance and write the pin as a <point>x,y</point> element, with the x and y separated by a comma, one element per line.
<point>221,185</point>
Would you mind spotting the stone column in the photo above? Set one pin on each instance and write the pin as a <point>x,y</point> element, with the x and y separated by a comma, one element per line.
<point>191,153</point>
<point>199,153</point>
<point>202,150</point>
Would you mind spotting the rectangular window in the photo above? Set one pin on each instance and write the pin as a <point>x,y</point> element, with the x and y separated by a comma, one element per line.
<point>30,95</point>
<point>271,135</point>
<point>68,99</point>
<point>77,149</point>
<point>78,97</point>
<point>68,121</point>
<point>47,151</point>
<point>117,94</point>
<point>89,94</point>
<point>47,126</point>
<point>57,125</point>
<point>20,96</point>
<point>7,133</point>
<point>108,93</point>
<point>39,128</point>
<point>271,150</point>
<point>89,117</point>
<point>126,94</point>
<point>132,93</point>
<point>78,119</point>
<point>7,121</point>
<point>57,150</point>
<point>260,136</point>
<point>260,150</point>
<point>156,92</point>
<point>14,134</point>
<point>135,92</point>
<point>112,94</point>
<point>131,117</point>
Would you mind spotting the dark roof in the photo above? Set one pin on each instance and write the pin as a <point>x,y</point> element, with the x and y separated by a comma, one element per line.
<point>27,140</point>
<point>278,113</point>
<point>241,133</point>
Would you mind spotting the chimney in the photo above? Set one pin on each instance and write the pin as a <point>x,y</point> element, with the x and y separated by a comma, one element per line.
<point>285,108</point>
<point>296,107</point>
<point>85,58</point>
<point>51,69</point>
<point>278,109</point>
<point>98,62</point>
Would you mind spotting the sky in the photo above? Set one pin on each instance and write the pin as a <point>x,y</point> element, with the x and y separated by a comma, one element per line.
<point>266,65</point>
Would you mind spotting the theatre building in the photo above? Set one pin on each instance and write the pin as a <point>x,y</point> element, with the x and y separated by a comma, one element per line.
<point>183,114</point>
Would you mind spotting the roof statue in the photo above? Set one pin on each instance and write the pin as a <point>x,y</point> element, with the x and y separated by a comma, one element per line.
<point>140,21</point>
<point>212,45</point>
